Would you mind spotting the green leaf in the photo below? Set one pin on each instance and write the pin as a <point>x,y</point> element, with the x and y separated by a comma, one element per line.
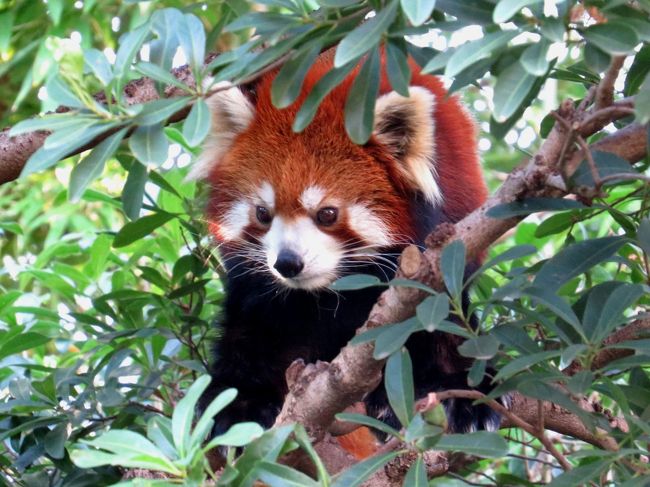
<point>277,475</point>
<point>555,224</point>
<point>130,45</point>
<point>418,11</point>
<point>51,122</point>
<point>60,93</point>
<point>129,449</point>
<point>157,73</point>
<point>643,235</point>
<point>432,311</point>
<point>581,475</point>
<point>91,166</point>
<point>286,85</point>
<point>239,434</point>
<point>205,423</point>
<point>358,473</point>
<point>416,475</point>
<point>133,191</point>
<point>398,380</point>
<point>149,145</point>
<point>614,37</point>
<point>158,111</point>
<point>557,305</point>
<point>597,59</point>
<point>267,447</point>
<point>576,259</point>
<point>191,36</point>
<point>481,347</point>
<point>23,341</point>
<point>320,90</point>
<point>99,65</point>
<point>511,254</point>
<point>197,124</point>
<point>638,71</point>
<point>397,67</point>
<point>360,103</point>
<point>511,89</point>
<point>606,164</point>
<point>184,412</point>
<point>366,36</point>
<point>532,205</point>
<point>533,59</point>
<point>355,281</point>
<point>452,265</point>
<point>506,9</point>
<point>524,362</point>
<point>473,51</point>
<point>642,102</point>
<point>140,228</point>
<point>609,308</point>
<point>54,441</point>
<point>367,421</point>
<point>482,444</point>
<point>391,338</point>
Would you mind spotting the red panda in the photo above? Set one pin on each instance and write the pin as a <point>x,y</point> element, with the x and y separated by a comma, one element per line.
<point>292,212</point>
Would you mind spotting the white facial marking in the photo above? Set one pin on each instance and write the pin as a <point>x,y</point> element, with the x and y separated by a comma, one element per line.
<point>311,197</point>
<point>235,220</point>
<point>267,195</point>
<point>320,252</point>
<point>368,226</point>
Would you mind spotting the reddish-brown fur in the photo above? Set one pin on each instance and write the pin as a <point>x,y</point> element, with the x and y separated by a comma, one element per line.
<point>323,154</point>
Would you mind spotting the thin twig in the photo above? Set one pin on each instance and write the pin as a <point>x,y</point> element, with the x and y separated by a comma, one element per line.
<point>605,91</point>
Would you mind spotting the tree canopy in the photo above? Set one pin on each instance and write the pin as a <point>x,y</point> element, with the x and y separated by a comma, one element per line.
<point>109,284</point>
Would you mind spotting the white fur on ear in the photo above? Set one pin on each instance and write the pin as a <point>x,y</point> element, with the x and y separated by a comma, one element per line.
<point>406,126</point>
<point>232,113</point>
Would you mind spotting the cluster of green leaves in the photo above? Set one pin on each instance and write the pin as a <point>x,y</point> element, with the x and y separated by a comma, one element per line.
<point>106,301</point>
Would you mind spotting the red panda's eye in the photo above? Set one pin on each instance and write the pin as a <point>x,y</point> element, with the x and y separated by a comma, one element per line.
<point>263,215</point>
<point>327,216</point>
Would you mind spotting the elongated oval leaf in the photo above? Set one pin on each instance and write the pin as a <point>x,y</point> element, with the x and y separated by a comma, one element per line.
<point>481,347</point>
<point>360,104</point>
<point>142,227</point>
<point>511,90</point>
<point>416,475</point>
<point>452,265</point>
<point>149,145</point>
<point>355,475</point>
<point>576,259</point>
<point>366,36</point>
<point>534,59</point>
<point>197,124</point>
<point>417,11</point>
<point>397,66</point>
<point>287,84</point>
<point>474,51</point>
<point>399,385</point>
<point>133,191</point>
<point>506,9</point>
<point>93,164</point>
<point>320,90</point>
<point>184,410</point>
<point>393,337</point>
<point>160,110</point>
<point>432,311</point>
<point>482,444</point>
<point>277,475</point>
<point>614,37</point>
<point>532,205</point>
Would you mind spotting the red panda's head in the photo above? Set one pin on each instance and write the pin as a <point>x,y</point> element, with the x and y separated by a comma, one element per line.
<point>307,207</point>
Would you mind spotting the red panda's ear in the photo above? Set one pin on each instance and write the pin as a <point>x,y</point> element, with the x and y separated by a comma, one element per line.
<point>232,113</point>
<point>405,126</point>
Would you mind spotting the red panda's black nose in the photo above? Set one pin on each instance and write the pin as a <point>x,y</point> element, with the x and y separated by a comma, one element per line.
<point>288,264</point>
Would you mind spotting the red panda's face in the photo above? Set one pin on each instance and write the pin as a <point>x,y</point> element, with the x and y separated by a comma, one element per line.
<point>306,208</point>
